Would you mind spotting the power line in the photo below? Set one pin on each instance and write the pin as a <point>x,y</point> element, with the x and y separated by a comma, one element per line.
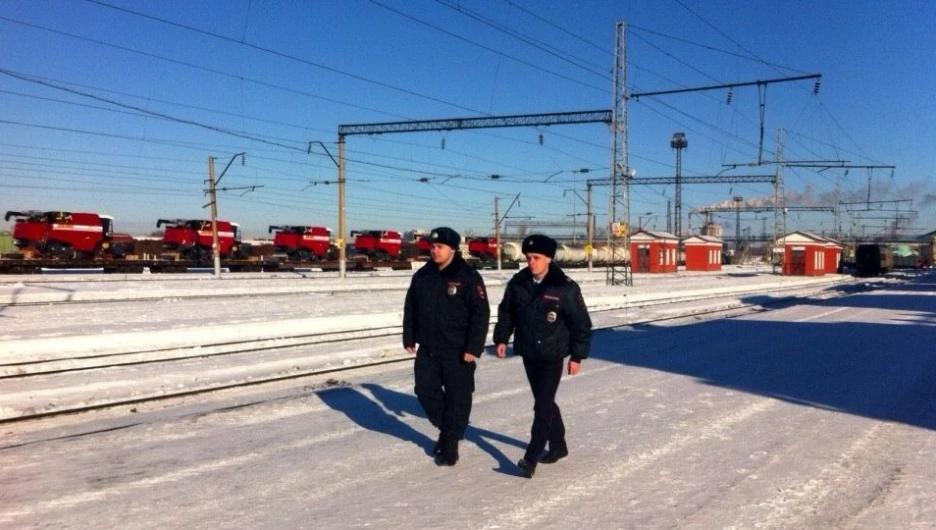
<point>198,67</point>
<point>283,55</point>
<point>150,112</point>
<point>536,43</point>
<point>567,32</point>
<point>482,46</point>
<point>639,29</point>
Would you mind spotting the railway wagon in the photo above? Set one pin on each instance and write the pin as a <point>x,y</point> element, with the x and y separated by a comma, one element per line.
<point>873,260</point>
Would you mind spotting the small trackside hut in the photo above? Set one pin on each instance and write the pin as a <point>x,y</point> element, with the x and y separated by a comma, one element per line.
<point>833,255</point>
<point>804,254</point>
<point>703,253</point>
<point>654,251</point>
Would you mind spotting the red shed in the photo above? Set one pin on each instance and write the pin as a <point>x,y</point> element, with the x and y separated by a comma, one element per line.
<point>653,251</point>
<point>833,255</point>
<point>804,254</point>
<point>703,253</point>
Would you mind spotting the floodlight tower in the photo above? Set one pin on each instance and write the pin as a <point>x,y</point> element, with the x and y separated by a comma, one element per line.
<point>678,143</point>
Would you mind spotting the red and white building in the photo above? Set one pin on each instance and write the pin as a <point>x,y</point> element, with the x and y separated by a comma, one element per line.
<point>653,251</point>
<point>806,254</point>
<point>703,253</point>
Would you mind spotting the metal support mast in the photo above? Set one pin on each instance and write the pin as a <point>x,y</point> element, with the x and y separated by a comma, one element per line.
<point>779,209</point>
<point>619,268</point>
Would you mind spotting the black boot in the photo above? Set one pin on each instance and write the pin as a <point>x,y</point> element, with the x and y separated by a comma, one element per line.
<point>554,455</point>
<point>449,454</point>
<point>527,467</point>
<point>440,444</point>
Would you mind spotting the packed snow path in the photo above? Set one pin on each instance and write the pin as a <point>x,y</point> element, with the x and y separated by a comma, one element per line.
<point>817,415</point>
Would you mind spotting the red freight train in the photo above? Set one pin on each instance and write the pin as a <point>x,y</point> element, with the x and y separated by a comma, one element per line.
<point>68,235</point>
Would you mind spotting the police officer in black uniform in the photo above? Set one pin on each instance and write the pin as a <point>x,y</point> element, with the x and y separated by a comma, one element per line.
<point>447,314</point>
<point>545,311</point>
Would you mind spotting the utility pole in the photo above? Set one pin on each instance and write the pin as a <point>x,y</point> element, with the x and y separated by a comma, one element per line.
<point>669,217</point>
<point>780,209</point>
<point>498,219</point>
<point>342,229</point>
<point>497,236</point>
<point>215,246</point>
<point>590,230</point>
<point>212,188</point>
<point>737,200</point>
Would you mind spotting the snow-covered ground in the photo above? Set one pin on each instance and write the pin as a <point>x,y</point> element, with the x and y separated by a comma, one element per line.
<point>819,414</point>
<point>135,339</point>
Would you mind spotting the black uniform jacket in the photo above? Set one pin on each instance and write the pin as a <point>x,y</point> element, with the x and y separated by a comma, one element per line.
<point>447,310</point>
<point>550,319</point>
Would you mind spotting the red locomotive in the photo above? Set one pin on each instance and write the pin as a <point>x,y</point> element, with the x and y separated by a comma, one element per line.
<point>192,239</point>
<point>483,248</point>
<point>67,235</point>
<point>378,244</point>
<point>304,243</point>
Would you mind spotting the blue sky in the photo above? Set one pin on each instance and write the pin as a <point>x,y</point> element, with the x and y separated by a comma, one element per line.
<point>115,106</point>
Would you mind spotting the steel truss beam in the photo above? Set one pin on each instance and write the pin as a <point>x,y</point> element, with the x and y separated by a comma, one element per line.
<point>489,122</point>
<point>737,179</point>
<point>758,209</point>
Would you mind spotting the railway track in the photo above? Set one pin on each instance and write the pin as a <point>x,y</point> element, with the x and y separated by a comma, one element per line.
<point>41,388</point>
<point>168,266</point>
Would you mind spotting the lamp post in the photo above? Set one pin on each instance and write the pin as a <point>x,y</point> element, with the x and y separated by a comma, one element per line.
<point>678,142</point>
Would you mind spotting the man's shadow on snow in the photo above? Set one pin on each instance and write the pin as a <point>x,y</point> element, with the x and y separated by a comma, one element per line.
<point>383,416</point>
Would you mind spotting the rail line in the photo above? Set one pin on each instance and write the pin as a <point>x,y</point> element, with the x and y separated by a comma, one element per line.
<point>44,368</point>
<point>167,266</point>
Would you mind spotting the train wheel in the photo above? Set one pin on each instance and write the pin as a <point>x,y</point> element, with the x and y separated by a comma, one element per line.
<point>305,254</point>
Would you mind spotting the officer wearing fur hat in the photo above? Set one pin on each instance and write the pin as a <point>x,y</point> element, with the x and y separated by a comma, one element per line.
<point>447,315</point>
<point>544,310</point>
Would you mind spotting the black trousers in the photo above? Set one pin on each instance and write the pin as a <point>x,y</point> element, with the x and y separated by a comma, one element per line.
<point>547,420</point>
<point>444,384</point>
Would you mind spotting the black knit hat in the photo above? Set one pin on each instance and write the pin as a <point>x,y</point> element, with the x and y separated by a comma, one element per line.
<point>540,244</point>
<point>446,236</point>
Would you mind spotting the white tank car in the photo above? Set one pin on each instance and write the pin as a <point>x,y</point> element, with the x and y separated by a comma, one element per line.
<point>511,251</point>
<point>568,253</point>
